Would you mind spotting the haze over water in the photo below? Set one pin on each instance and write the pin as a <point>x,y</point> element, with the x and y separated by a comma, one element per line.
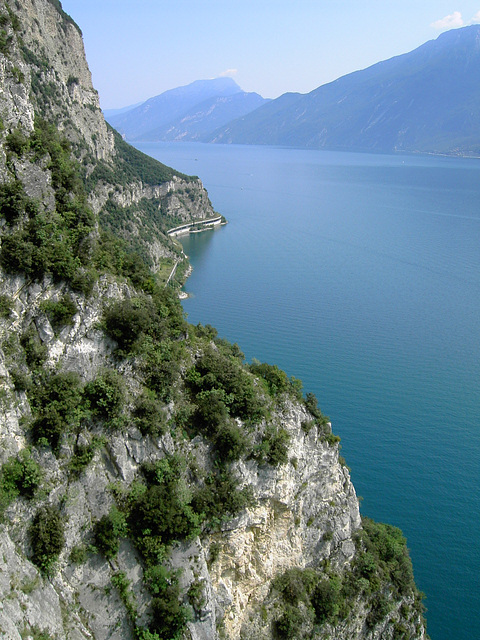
<point>360,275</point>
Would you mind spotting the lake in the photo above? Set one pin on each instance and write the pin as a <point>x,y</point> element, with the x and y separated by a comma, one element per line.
<point>360,275</point>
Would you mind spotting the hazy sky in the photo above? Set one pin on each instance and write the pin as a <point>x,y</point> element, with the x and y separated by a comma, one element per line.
<point>137,49</point>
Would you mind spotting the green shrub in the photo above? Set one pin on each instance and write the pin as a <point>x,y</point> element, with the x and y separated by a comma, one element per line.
<point>385,557</point>
<point>276,379</point>
<point>220,498</point>
<point>108,531</point>
<point>169,615</point>
<point>17,143</point>
<point>217,371</point>
<point>35,352</point>
<point>381,607</point>
<point>5,42</point>
<point>274,446</point>
<point>79,554</point>
<point>106,394</point>
<point>19,475</point>
<point>142,633</point>
<point>326,599</point>
<point>148,415</point>
<point>12,200</point>
<point>164,510</point>
<point>231,441</point>
<point>211,410</point>
<point>196,595</point>
<point>84,454</point>
<point>60,312</point>
<point>311,403</point>
<point>295,584</point>
<point>332,439</point>
<point>290,623</point>
<point>18,75</point>
<point>6,306</point>
<point>21,380</point>
<point>58,408</point>
<point>122,584</point>
<point>47,537</point>
<point>207,331</point>
<point>127,320</point>
<point>161,511</point>
<point>161,365</point>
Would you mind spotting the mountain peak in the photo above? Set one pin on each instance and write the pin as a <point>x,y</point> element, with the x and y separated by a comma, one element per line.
<point>163,113</point>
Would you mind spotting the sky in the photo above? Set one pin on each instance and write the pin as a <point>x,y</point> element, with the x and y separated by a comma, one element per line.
<point>136,49</point>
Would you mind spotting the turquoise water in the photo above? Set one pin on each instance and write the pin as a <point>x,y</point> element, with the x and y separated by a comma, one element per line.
<point>360,275</point>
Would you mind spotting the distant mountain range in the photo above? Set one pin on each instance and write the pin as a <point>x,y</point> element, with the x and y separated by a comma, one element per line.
<point>191,112</point>
<point>427,100</point>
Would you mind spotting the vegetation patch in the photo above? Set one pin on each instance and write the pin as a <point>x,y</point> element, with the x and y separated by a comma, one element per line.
<point>47,537</point>
<point>6,306</point>
<point>57,402</point>
<point>106,395</point>
<point>19,476</point>
<point>273,447</point>
<point>380,574</point>
<point>276,380</point>
<point>108,531</point>
<point>59,312</point>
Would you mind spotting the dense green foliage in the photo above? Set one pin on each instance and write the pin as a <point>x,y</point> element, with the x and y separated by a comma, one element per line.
<point>380,573</point>
<point>148,415</point>
<point>47,537</point>
<point>35,351</point>
<point>216,370</point>
<point>274,446</point>
<point>108,531</point>
<point>13,201</point>
<point>385,559</point>
<point>106,394</point>
<point>158,316</point>
<point>220,498</point>
<point>83,454</point>
<point>131,165</point>
<point>19,476</point>
<point>59,312</point>
<point>56,400</point>
<point>52,243</point>
<point>277,380</point>
<point>163,511</point>
<point>169,615</point>
<point>6,305</point>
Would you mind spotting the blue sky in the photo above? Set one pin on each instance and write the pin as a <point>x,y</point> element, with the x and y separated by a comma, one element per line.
<point>137,49</point>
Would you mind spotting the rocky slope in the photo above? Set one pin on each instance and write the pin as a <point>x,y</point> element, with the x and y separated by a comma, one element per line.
<point>44,74</point>
<point>152,485</point>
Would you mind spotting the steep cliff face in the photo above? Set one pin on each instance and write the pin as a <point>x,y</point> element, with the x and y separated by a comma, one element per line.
<point>45,75</point>
<point>152,485</point>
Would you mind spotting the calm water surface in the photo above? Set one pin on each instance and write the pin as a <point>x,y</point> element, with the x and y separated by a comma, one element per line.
<point>360,275</point>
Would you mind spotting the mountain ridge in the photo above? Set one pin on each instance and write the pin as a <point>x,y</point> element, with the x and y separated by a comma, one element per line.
<point>422,101</point>
<point>188,112</point>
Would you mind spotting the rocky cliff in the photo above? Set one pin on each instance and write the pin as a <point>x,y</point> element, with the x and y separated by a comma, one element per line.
<point>152,485</point>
